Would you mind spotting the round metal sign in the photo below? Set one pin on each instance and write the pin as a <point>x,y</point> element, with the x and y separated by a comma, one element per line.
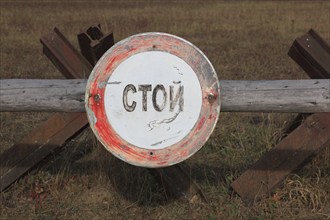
<point>153,99</point>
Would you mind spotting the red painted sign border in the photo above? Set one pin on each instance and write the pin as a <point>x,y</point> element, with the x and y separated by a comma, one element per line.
<point>209,111</point>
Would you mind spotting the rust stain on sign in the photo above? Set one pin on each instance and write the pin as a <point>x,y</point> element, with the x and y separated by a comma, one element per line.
<point>157,100</point>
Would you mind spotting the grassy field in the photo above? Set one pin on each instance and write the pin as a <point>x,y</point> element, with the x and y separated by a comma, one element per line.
<point>243,40</point>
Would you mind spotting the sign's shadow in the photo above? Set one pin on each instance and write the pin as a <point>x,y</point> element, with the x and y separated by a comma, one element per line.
<point>84,155</point>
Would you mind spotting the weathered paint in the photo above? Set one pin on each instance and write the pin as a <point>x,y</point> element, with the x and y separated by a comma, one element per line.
<point>102,84</point>
<point>147,101</point>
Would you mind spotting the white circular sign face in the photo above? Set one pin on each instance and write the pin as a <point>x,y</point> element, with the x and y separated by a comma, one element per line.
<point>153,99</point>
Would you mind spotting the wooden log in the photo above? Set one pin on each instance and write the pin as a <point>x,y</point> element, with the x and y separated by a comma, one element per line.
<point>301,96</point>
<point>42,95</point>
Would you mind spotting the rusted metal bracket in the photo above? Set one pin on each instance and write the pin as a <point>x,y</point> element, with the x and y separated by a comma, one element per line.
<point>64,56</point>
<point>39,143</point>
<point>54,132</point>
<point>312,53</point>
<point>268,172</point>
<point>93,43</point>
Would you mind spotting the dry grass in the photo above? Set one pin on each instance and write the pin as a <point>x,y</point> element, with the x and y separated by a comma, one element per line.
<point>243,40</point>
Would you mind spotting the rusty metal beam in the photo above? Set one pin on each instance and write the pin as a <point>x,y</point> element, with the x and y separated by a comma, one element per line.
<point>54,132</point>
<point>268,172</point>
<point>40,142</point>
<point>93,43</point>
<point>64,56</point>
<point>312,53</point>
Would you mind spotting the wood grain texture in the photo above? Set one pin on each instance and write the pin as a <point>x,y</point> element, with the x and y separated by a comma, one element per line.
<point>301,96</point>
<point>42,95</point>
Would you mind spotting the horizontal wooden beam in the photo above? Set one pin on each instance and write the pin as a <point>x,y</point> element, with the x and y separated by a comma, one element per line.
<point>42,95</point>
<point>303,96</point>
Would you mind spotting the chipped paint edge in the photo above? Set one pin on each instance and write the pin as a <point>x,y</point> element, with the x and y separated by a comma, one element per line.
<point>93,120</point>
